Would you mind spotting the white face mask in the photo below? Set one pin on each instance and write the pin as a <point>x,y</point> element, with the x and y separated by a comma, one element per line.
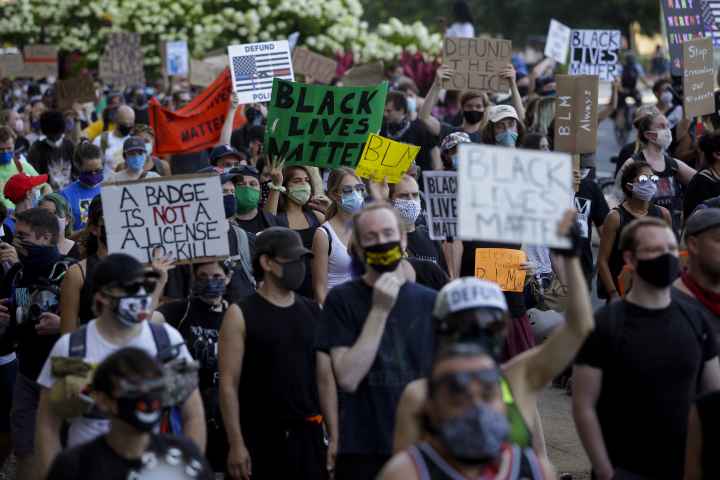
<point>666,97</point>
<point>664,138</point>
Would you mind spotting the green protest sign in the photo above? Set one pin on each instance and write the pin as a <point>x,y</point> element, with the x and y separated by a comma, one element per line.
<point>322,126</point>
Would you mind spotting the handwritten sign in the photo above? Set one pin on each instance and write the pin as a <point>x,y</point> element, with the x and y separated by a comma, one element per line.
<point>11,65</point>
<point>558,42</point>
<point>683,22</point>
<point>322,126</point>
<point>513,196</point>
<point>79,89</point>
<point>364,75</point>
<point>40,61</point>
<point>254,66</point>
<point>441,200</point>
<point>176,58</point>
<point>122,62</point>
<point>383,158</point>
<point>321,69</point>
<point>476,63</point>
<point>698,77</point>
<point>203,73</point>
<point>502,266</point>
<point>182,216</point>
<point>595,52</point>
<point>576,113</point>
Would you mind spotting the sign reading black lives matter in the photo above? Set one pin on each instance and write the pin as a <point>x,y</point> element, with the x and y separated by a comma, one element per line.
<point>595,52</point>
<point>441,201</point>
<point>181,216</point>
<point>513,196</point>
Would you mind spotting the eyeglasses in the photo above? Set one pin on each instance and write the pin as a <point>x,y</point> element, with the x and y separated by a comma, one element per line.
<point>458,383</point>
<point>645,178</point>
<point>360,188</point>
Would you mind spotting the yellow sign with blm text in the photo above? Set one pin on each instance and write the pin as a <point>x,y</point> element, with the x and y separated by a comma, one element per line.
<point>383,157</point>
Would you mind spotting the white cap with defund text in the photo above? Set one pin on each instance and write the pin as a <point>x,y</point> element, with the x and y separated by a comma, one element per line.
<point>466,293</point>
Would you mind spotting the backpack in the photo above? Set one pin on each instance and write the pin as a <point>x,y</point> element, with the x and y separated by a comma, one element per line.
<point>243,282</point>
<point>629,77</point>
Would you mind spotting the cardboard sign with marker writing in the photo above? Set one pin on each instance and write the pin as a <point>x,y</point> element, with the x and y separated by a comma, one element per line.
<point>181,216</point>
<point>576,113</point>
<point>11,65</point>
<point>441,201</point>
<point>40,61</point>
<point>502,266</point>
<point>558,41</point>
<point>513,196</point>
<point>364,75</point>
<point>698,77</point>
<point>321,69</point>
<point>383,157</point>
<point>80,89</point>
<point>122,62</point>
<point>476,63</point>
<point>203,73</point>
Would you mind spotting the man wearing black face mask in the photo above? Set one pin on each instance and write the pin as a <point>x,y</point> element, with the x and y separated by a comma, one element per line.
<point>638,372</point>
<point>53,154</point>
<point>276,391</point>
<point>128,387</point>
<point>122,301</point>
<point>111,142</point>
<point>398,126</point>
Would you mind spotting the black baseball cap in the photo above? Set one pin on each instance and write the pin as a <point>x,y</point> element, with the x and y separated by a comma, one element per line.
<point>222,151</point>
<point>224,177</point>
<point>120,270</point>
<point>134,144</point>
<point>280,242</point>
<point>702,221</point>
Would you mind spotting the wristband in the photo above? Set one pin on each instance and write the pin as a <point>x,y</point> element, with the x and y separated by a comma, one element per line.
<point>278,188</point>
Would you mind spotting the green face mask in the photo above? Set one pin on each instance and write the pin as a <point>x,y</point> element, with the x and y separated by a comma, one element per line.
<point>246,198</point>
<point>300,194</point>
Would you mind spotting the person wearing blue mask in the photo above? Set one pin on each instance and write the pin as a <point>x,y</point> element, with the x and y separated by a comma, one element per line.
<point>449,149</point>
<point>80,193</point>
<point>504,127</point>
<point>10,162</point>
<point>137,162</point>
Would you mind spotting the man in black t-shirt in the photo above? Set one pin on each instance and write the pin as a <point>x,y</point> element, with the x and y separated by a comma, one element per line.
<point>128,386</point>
<point>398,126</point>
<point>638,372</point>
<point>276,391</point>
<point>378,331</point>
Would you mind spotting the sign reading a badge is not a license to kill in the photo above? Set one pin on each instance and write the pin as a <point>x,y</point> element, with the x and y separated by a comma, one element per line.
<point>385,158</point>
<point>255,65</point>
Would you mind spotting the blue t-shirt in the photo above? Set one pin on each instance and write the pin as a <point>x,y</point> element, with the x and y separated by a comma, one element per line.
<point>79,197</point>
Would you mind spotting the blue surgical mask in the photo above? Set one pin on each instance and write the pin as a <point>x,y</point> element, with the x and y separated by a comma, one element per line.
<point>6,157</point>
<point>149,148</point>
<point>352,202</point>
<point>135,162</point>
<point>411,104</point>
<point>455,159</point>
<point>508,138</point>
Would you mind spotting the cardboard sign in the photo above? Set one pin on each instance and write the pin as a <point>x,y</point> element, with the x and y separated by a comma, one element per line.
<point>364,75</point>
<point>182,216</point>
<point>40,61</point>
<point>502,266</point>
<point>513,196</point>
<point>558,41</point>
<point>176,59</point>
<point>79,89</point>
<point>322,126</point>
<point>321,69</point>
<point>254,66</point>
<point>683,22</point>
<point>698,78</point>
<point>441,201</point>
<point>122,62</point>
<point>198,125</point>
<point>383,157</point>
<point>476,63</point>
<point>204,73</point>
<point>595,52</point>
<point>11,65</point>
<point>576,113</point>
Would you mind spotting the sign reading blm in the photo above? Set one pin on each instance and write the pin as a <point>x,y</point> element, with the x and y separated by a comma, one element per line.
<point>181,216</point>
<point>595,52</point>
<point>513,196</point>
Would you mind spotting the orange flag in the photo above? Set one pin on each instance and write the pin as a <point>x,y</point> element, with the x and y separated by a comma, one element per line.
<point>196,126</point>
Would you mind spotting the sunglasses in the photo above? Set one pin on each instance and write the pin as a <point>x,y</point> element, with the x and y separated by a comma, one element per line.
<point>348,189</point>
<point>458,383</point>
<point>645,178</point>
<point>133,288</point>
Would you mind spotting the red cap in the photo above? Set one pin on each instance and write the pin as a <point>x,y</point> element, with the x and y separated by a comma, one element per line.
<point>17,186</point>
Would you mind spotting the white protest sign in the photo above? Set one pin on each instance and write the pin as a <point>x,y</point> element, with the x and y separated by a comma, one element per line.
<point>254,65</point>
<point>182,216</point>
<point>513,196</point>
<point>558,41</point>
<point>177,58</point>
<point>441,202</point>
<point>595,52</point>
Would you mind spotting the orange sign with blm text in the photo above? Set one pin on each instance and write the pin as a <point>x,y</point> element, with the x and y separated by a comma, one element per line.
<point>502,266</point>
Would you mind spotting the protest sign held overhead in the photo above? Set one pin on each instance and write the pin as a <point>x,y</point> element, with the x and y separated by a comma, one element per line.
<point>441,200</point>
<point>181,216</point>
<point>122,63</point>
<point>385,158</point>
<point>683,22</point>
<point>711,20</point>
<point>476,63</point>
<point>502,266</point>
<point>196,126</point>
<point>203,73</point>
<point>698,77</point>
<point>319,68</point>
<point>364,75</point>
<point>11,65</point>
<point>595,52</point>
<point>514,196</point>
<point>255,65</point>
<point>558,41</point>
<point>322,126</point>
<point>40,61</point>
<point>79,89</point>
<point>176,59</point>
<point>576,113</point>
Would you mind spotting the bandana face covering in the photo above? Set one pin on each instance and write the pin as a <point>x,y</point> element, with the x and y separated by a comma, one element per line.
<point>383,257</point>
<point>132,310</point>
<point>142,411</point>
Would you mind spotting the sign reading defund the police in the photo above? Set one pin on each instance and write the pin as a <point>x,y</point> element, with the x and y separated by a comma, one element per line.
<point>513,196</point>
<point>181,216</point>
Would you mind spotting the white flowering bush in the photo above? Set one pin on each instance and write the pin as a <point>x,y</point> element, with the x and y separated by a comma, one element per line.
<point>326,26</point>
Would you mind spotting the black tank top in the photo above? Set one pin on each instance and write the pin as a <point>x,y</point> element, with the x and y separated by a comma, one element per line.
<point>306,235</point>
<point>85,312</point>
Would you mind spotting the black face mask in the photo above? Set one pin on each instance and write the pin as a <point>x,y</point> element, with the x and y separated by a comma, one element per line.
<point>230,205</point>
<point>659,271</point>
<point>143,412</point>
<point>523,90</point>
<point>384,257</point>
<point>473,116</point>
<point>124,130</point>
<point>293,274</point>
